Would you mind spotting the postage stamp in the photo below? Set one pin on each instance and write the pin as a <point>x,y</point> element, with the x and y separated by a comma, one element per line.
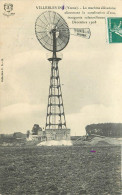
<point>114,26</point>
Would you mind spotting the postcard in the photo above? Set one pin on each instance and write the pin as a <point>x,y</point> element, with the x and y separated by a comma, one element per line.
<point>60,97</point>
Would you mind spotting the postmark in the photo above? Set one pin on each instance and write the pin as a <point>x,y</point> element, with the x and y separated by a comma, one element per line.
<point>114,26</point>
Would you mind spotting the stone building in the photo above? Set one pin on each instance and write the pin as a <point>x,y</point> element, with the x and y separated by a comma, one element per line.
<point>36,134</point>
<point>57,134</point>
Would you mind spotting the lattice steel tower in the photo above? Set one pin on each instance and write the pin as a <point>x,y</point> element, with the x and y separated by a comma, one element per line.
<point>55,110</point>
<point>53,33</point>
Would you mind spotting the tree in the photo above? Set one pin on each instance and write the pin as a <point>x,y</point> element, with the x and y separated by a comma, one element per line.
<point>28,133</point>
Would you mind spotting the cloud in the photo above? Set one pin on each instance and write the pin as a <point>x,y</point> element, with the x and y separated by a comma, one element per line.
<point>91,74</point>
<point>24,80</point>
<point>16,110</point>
<point>91,93</point>
<point>96,113</point>
<point>21,117</point>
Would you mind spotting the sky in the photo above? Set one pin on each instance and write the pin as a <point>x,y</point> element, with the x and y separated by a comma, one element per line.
<point>90,72</point>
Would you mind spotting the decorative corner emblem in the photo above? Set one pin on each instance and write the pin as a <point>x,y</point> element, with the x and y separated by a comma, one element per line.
<point>8,7</point>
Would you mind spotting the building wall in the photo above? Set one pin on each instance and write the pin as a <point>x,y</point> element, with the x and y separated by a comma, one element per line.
<point>36,138</point>
<point>57,134</point>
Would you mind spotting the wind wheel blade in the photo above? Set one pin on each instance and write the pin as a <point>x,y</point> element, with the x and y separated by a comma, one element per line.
<point>81,32</point>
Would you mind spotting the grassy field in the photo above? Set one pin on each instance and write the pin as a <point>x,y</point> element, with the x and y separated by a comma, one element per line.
<point>60,170</point>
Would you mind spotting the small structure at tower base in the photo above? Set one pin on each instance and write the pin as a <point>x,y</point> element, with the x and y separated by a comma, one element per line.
<point>39,135</point>
<point>36,134</point>
<point>57,134</point>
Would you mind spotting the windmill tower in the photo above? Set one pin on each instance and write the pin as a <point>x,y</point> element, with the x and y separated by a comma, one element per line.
<point>53,33</point>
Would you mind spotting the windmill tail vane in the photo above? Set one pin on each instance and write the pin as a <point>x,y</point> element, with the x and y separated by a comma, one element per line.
<point>81,32</point>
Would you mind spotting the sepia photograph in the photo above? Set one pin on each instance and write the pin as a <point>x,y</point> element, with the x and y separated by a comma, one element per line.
<point>60,97</point>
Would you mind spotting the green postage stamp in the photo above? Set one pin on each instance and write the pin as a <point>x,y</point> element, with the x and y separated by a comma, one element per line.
<point>114,26</point>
